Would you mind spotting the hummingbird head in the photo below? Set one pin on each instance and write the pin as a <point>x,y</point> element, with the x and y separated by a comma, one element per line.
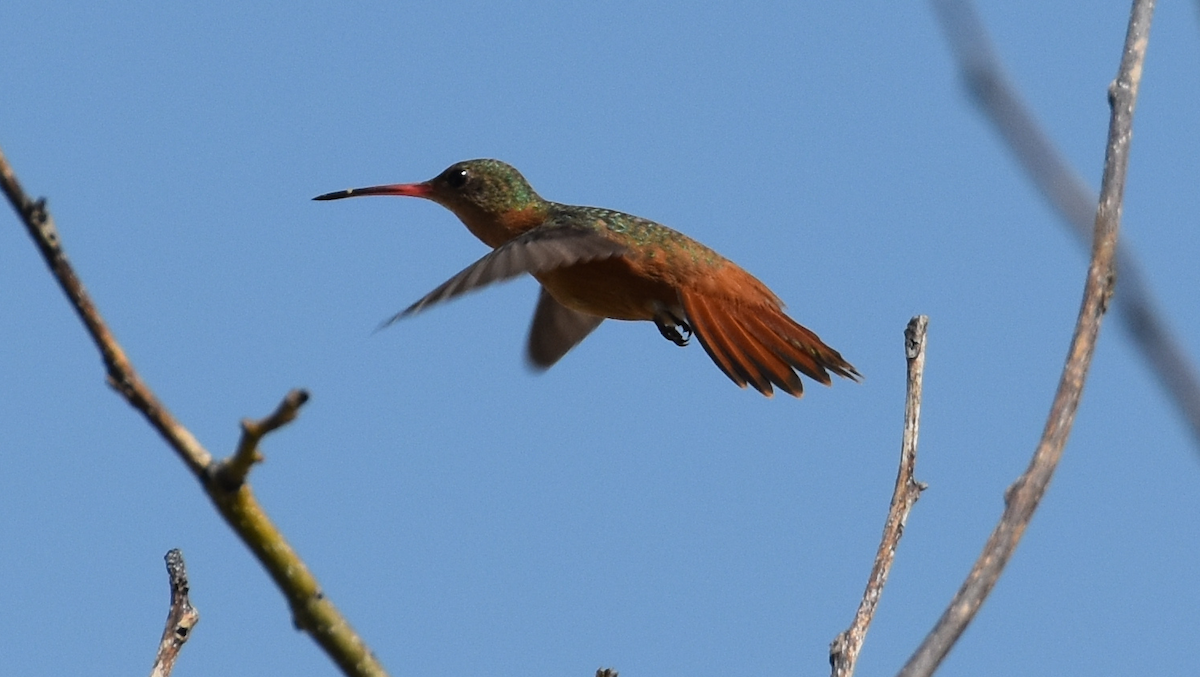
<point>472,189</point>
<point>490,197</point>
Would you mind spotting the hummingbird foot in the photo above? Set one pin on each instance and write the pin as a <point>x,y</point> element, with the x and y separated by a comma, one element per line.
<point>669,324</point>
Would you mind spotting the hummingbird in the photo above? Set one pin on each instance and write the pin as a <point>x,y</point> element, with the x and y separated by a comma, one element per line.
<point>596,263</point>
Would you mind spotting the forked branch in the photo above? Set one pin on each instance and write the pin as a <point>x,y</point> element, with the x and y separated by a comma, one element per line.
<point>223,482</point>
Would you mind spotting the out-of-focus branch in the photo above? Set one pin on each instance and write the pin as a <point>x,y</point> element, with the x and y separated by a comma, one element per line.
<point>181,617</point>
<point>1022,498</point>
<point>1075,202</point>
<point>223,482</point>
<point>843,652</point>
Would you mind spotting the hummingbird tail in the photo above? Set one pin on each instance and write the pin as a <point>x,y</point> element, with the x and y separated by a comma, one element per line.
<point>757,344</point>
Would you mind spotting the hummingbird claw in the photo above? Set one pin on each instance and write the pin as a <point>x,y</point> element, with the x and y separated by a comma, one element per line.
<point>666,321</point>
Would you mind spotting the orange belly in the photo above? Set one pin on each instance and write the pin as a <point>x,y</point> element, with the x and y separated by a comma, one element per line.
<point>610,288</point>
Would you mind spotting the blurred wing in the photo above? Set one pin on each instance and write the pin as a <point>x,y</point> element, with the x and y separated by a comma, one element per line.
<point>541,249</point>
<point>556,330</point>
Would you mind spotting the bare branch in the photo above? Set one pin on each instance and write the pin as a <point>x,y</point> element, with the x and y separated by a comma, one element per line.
<point>181,617</point>
<point>1075,202</point>
<point>311,611</point>
<point>1022,498</point>
<point>843,652</point>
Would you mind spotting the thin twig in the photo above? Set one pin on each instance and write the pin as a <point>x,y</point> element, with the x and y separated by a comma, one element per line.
<point>843,652</point>
<point>1067,193</point>
<point>181,617</point>
<point>1021,499</point>
<point>311,611</point>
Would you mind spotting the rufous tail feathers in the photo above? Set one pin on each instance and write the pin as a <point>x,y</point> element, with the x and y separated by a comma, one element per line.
<point>755,343</point>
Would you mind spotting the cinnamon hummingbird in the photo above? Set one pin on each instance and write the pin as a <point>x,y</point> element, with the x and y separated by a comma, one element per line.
<point>596,263</point>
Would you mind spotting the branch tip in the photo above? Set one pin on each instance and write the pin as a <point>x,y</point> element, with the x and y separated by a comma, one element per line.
<point>181,617</point>
<point>844,650</point>
<point>231,473</point>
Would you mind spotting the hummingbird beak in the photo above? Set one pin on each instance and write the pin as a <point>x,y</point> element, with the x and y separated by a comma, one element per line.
<point>407,189</point>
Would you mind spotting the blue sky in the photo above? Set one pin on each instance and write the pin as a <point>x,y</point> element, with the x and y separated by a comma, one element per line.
<point>629,508</point>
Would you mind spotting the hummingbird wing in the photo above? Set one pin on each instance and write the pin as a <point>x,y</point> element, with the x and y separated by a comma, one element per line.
<point>556,329</point>
<point>544,248</point>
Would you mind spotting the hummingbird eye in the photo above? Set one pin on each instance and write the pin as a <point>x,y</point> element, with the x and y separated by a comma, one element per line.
<point>457,178</point>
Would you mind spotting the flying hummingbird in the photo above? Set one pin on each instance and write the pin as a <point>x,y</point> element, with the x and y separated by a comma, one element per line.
<point>598,263</point>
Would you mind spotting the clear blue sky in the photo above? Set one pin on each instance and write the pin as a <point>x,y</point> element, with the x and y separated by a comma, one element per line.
<point>630,508</point>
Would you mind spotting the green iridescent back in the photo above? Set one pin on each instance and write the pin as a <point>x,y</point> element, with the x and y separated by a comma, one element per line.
<point>645,238</point>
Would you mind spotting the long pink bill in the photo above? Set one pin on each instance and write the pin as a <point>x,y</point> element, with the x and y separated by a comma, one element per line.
<point>405,189</point>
